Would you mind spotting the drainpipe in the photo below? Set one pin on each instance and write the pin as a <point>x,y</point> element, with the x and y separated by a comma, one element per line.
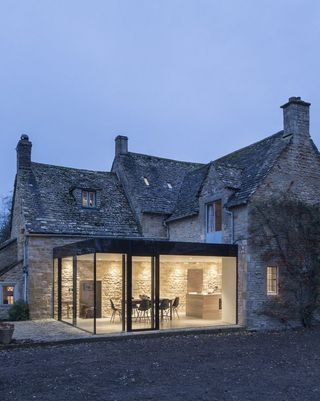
<point>25,270</point>
<point>232,225</point>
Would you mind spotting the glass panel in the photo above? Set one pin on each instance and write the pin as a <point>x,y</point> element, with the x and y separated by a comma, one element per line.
<point>142,293</point>
<point>210,220</point>
<point>8,295</point>
<point>55,289</point>
<point>92,199</point>
<point>109,293</point>
<point>67,290</point>
<point>85,293</point>
<point>84,198</point>
<point>272,280</point>
<point>194,289</point>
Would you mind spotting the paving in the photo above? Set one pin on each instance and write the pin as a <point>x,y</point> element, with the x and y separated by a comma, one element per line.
<point>51,331</point>
<point>46,330</point>
<point>238,366</point>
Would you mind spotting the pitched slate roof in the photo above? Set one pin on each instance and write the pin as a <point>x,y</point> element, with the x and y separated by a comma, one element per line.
<point>50,206</point>
<point>255,161</point>
<point>242,171</point>
<point>158,196</point>
<point>188,200</point>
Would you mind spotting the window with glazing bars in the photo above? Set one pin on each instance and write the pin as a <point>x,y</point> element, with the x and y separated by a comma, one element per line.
<point>7,294</point>
<point>88,199</point>
<point>214,216</point>
<point>272,280</point>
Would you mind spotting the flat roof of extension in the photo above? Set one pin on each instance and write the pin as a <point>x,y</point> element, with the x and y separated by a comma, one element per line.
<point>144,247</point>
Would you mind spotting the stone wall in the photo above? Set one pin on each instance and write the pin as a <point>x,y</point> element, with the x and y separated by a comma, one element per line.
<point>297,172</point>
<point>14,277</point>
<point>173,278</point>
<point>153,225</point>
<point>192,229</point>
<point>40,278</point>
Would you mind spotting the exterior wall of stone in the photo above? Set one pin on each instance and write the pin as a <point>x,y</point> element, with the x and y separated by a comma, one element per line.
<point>297,172</point>
<point>18,223</point>
<point>40,273</point>
<point>188,230</point>
<point>193,229</point>
<point>153,225</point>
<point>12,277</point>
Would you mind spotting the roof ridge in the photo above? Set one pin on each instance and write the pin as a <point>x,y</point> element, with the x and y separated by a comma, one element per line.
<point>71,168</point>
<point>165,158</point>
<point>248,146</point>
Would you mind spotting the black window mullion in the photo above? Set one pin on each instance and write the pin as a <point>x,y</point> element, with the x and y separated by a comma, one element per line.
<point>74,289</point>
<point>59,288</point>
<point>94,293</point>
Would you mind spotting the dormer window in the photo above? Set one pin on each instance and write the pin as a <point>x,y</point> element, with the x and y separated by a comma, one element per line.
<point>146,181</point>
<point>89,199</point>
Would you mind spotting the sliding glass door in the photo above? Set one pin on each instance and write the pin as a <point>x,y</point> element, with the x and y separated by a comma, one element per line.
<point>144,300</point>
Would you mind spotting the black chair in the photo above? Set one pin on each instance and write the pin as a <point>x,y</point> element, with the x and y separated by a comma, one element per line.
<point>115,311</point>
<point>164,308</point>
<point>143,309</point>
<point>175,306</point>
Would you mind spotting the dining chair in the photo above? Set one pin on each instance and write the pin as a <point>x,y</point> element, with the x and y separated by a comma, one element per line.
<point>143,309</point>
<point>115,311</point>
<point>175,306</point>
<point>164,308</point>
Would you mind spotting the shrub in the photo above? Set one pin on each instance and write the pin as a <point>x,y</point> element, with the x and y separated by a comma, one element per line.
<point>19,311</point>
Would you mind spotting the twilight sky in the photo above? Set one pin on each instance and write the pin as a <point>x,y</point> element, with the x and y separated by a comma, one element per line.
<point>185,79</point>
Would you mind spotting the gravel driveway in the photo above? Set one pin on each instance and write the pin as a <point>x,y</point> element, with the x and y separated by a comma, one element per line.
<point>215,367</point>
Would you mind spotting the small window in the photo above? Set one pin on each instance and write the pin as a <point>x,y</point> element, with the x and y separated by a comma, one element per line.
<point>88,199</point>
<point>214,216</point>
<point>146,181</point>
<point>8,295</point>
<point>272,280</point>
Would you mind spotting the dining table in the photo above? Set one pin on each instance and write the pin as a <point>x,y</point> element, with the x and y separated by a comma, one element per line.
<point>137,301</point>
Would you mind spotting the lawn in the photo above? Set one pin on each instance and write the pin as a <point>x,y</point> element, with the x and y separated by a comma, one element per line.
<point>274,366</point>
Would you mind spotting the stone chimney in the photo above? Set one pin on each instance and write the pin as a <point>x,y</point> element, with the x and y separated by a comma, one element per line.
<point>121,145</point>
<point>296,119</point>
<point>24,153</point>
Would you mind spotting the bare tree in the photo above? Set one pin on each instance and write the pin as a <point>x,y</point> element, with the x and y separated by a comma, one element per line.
<point>286,232</point>
<point>5,218</point>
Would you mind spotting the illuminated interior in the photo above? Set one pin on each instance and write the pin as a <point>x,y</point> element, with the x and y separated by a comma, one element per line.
<point>107,293</point>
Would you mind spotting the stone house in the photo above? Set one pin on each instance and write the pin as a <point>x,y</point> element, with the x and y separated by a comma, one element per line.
<point>173,231</point>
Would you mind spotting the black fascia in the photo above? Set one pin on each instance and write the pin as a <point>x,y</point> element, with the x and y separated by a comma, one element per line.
<point>144,247</point>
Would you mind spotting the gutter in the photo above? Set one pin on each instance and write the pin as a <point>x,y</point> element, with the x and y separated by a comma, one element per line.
<point>25,269</point>
<point>232,225</point>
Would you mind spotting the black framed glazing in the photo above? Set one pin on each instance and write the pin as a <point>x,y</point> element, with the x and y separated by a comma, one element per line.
<point>129,248</point>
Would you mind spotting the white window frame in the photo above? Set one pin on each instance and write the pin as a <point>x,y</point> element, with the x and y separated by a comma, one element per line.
<point>88,192</point>
<point>271,281</point>
<point>8,284</point>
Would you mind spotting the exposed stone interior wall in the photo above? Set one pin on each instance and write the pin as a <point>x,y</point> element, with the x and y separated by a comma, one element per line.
<point>173,279</point>
<point>297,172</point>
